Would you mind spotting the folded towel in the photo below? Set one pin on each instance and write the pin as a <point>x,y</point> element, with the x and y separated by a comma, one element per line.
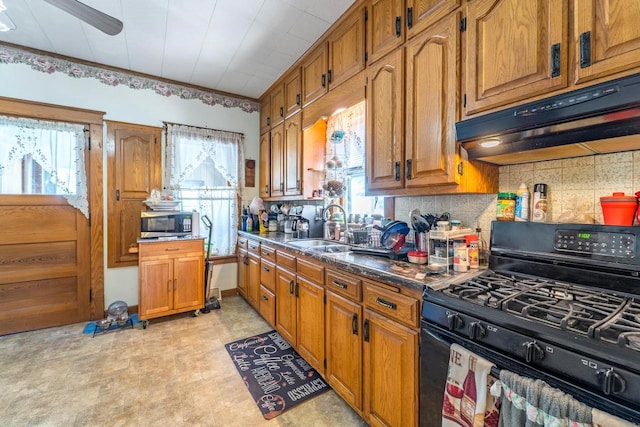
<point>602,419</point>
<point>532,403</point>
<point>467,387</point>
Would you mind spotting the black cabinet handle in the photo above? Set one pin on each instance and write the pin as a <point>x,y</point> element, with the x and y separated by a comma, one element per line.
<point>555,60</point>
<point>297,290</point>
<point>585,49</point>
<point>354,324</point>
<point>408,168</point>
<point>397,177</point>
<point>409,17</point>
<point>291,287</point>
<point>281,111</point>
<point>264,297</point>
<point>117,195</point>
<point>268,121</point>
<point>324,80</point>
<point>329,76</point>
<point>398,26</point>
<point>387,304</point>
<point>340,284</point>
<point>365,330</point>
<point>298,99</point>
<point>265,268</point>
<point>245,260</point>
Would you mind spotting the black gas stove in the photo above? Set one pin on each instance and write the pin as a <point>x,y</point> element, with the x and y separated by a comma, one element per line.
<point>560,299</point>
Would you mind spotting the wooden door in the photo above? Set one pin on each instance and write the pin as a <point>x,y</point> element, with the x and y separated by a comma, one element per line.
<point>510,46</point>
<point>311,322</point>
<point>265,114</point>
<point>133,170</point>
<point>384,127</point>
<point>277,161</point>
<point>292,95</point>
<point>188,282</point>
<point>277,105</point>
<point>314,75</point>
<point>156,275</point>
<point>44,263</point>
<point>423,13</point>
<point>292,151</point>
<point>390,372</point>
<point>265,165</point>
<point>253,280</point>
<point>432,104</point>
<point>344,348</point>
<point>243,261</point>
<point>286,305</point>
<point>385,31</point>
<point>606,37</point>
<point>346,49</point>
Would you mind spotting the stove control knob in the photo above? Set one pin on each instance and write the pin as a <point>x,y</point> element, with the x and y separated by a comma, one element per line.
<point>610,381</point>
<point>533,351</point>
<point>454,321</point>
<point>476,330</point>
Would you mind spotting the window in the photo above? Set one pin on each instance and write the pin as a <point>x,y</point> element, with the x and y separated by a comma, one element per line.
<point>43,157</point>
<point>203,170</point>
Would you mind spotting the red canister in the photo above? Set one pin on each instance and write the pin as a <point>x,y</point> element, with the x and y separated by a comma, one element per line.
<point>619,209</point>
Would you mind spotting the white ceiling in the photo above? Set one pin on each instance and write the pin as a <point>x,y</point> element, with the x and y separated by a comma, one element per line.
<point>235,46</point>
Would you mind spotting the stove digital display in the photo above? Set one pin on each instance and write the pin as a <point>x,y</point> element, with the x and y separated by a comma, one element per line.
<point>622,245</point>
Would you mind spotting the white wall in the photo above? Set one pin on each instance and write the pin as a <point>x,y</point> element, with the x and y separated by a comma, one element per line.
<point>143,107</point>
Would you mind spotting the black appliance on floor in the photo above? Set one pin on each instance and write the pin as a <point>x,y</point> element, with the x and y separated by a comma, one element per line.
<point>559,302</point>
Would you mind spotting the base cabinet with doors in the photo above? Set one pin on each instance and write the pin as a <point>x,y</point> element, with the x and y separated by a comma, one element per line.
<point>171,277</point>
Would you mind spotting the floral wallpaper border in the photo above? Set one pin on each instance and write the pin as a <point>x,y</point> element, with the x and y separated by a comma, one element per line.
<point>50,65</point>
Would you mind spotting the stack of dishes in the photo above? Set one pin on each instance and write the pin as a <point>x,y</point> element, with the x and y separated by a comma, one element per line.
<point>162,205</point>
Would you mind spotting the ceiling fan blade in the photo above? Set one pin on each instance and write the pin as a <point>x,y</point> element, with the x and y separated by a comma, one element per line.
<point>103,22</point>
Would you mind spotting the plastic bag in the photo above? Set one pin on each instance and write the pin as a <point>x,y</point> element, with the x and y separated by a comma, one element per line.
<point>577,213</point>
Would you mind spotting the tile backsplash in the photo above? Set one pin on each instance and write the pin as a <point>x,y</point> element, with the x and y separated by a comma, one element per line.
<point>574,188</point>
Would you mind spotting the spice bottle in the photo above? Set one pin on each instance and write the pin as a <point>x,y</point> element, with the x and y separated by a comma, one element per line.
<point>539,203</point>
<point>473,251</point>
<point>483,250</point>
<point>460,255</point>
<point>506,207</point>
<point>522,203</point>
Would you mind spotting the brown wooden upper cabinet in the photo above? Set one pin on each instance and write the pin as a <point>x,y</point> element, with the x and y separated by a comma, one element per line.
<point>314,74</point>
<point>515,50</point>
<point>420,14</point>
<point>292,156</point>
<point>265,113</point>
<point>346,49</point>
<point>385,27</point>
<point>277,105</point>
<point>292,95</point>
<point>133,170</point>
<point>606,38</point>
<point>276,187</point>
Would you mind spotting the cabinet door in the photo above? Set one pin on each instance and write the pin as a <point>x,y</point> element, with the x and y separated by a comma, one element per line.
<point>510,46</point>
<point>292,95</point>
<point>265,114</point>
<point>314,75</point>
<point>423,13</point>
<point>286,305</point>
<point>268,305</point>
<point>265,165</point>
<point>385,134</point>
<point>311,322</point>
<point>188,282</point>
<point>133,170</point>
<point>277,157</point>
<point>277,105</point>
<point>344,348</point>
<point>346,49</point>
<point>292,168</point>
<point>432,104</point>
<point>391,372</point>
<point>156,287</point>
<point>243,261</point>
<point>385,32</point>
<point>253,280</point>
<point>607,37</point>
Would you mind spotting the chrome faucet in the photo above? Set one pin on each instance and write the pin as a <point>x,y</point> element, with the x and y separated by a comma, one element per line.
<point>344,214</point>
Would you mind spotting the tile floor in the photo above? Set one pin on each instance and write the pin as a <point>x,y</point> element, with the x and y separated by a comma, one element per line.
<point>174,373</point>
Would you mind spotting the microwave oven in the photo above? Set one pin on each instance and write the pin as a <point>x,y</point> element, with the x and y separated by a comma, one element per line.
<point>155,224</point>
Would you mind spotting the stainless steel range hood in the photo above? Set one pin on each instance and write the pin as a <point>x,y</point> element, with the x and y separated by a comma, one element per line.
<point>603,118</point>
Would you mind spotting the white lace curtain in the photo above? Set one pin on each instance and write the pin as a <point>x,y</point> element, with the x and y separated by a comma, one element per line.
<point>56,147</point>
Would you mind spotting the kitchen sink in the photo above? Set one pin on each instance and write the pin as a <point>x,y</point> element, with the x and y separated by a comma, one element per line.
<point>320,245</point>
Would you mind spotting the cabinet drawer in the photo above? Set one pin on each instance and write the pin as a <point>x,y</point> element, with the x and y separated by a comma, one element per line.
<point>393,305</point>
<point>242,242</point>
<point>268,305</point>
<point>343,284</point>
<point>254,246</point>
<point>286,260</point>
<point>268,274</point>
<point>172,248</point>
<point>311,271</point>
<point>268,252</point>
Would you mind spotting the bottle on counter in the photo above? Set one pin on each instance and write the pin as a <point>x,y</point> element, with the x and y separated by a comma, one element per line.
<point>473,251</point>
<point>506,207</point>
<point>483,250</point>
<point>250,223</point>
<point>539,203</point>
<point>460,256</point>
<point>522,203</point>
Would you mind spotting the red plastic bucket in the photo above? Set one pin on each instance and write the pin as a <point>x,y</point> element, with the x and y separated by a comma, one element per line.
<point>619,209</point>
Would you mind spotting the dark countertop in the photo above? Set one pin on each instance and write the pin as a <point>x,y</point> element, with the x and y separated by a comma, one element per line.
<point>399,273</point>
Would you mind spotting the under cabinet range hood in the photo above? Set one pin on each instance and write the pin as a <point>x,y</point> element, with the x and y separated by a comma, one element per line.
<point>603,118</point>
